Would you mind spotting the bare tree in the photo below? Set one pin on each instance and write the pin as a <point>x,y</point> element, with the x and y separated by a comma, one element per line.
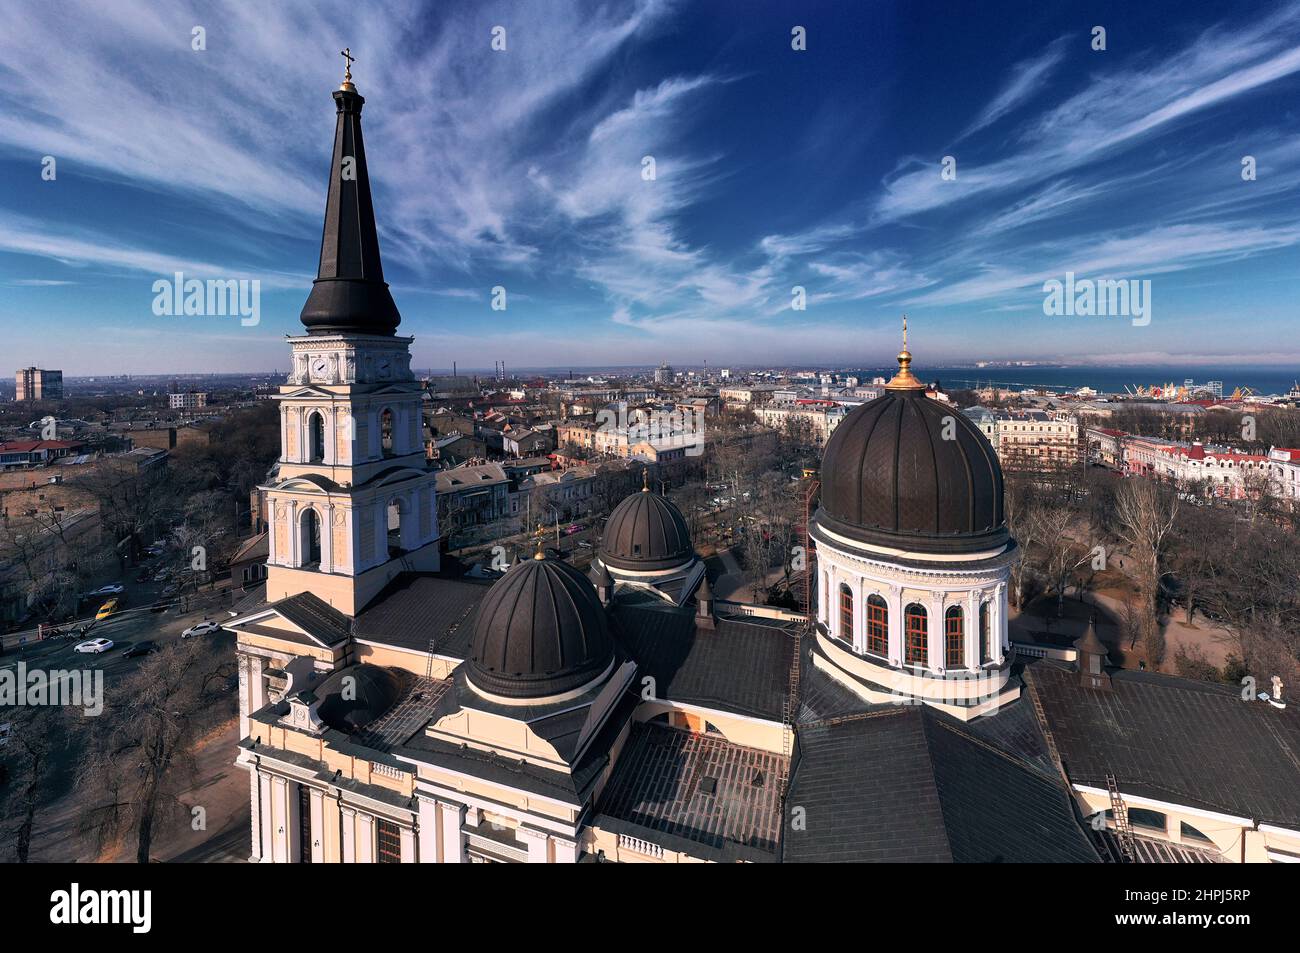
<point>145,760</point>
<point>1145,515</point>
<point>35,734</point>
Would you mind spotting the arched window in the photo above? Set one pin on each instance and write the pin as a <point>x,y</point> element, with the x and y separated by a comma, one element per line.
<point>394,527</point>
<point>954,638</point>
<point>877,626</point>
<point>914,635</point>
<point>386,423</point>
<point>316,437</point>
<point>846,614</point>
<point>310,540</point>
<point>986,640</point>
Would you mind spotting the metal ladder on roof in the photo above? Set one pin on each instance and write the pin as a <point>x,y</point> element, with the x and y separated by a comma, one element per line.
<point>790,707</point>
<point>1123,830</point>
<point>428,662</point>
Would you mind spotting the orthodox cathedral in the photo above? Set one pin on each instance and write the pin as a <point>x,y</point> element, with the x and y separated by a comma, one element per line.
<point>394,709</point>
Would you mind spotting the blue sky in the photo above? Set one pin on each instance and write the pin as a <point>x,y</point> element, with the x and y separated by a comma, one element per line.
<point>774,168</point>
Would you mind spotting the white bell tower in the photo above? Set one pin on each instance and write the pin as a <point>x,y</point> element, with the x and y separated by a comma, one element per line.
<point>354,502</point>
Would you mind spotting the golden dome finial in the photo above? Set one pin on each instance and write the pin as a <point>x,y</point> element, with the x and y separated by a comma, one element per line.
<point>904,379</point>
<point>645,480</point>
<point>346,53</point>
<point>539,536</point>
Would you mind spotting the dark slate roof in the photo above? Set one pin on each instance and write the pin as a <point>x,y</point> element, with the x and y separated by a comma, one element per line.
<point>573,787</point>
<point>315,616</point>
<point>741,666</point>
<point>541,630</point>
<point>349,293</point>
<point>254,598</point>
<point>889,477</point>
<point>646,532</point>
<point>1173,739</point>
<point>417,607</point>
<point>701,788</point>
<point>911,784</point>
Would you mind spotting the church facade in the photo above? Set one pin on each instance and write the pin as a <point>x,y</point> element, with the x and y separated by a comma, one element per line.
<point>394,709</point>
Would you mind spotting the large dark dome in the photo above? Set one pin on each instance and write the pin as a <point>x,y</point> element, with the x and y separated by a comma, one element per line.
<point>646,532</point>
<point>541,630</point>
<point>889,478</point>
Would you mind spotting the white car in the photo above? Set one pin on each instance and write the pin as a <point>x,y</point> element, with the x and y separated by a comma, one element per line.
<point>96,646</point>
<point>112,589</point>
<point>203,628</point>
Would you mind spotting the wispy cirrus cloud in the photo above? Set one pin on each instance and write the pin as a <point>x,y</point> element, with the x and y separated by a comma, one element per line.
<point>1027,80</point>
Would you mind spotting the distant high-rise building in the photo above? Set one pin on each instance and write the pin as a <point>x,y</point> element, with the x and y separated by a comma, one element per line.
<point>33,383</point>
<point>663,374</point>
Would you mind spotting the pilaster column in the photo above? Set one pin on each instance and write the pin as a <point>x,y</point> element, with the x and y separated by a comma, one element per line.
<point>317,807</point>
<point>266,817</point>
<point>973,629</point>
<point>935,637</point>
<point>254,805</point>
<point>566,851</point>
<point>407,837</point>
<point>365,838</point>
<point>294,534</point>
<point>859,616</point>
<point>537,846</point>
<point>349,834</point>
<point>999,624</point>
<point>428,839</point>
<point>894,599</point>
<point>453,842</point>
<point>280,820</point>
<point>327,539</point>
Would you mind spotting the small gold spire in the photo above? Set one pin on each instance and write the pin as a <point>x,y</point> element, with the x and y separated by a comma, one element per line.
<point>645,480</point>
<point>346,53</point>
<point>904,379</point>
<point>539,535</point>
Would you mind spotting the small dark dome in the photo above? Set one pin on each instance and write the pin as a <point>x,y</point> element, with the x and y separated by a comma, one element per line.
<point>646,532</point>
<point>372,692</point>
<point>890,478</point>
<point>541,630</point>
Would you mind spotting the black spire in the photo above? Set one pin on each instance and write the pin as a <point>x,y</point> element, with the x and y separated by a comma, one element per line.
<point>349,293</point>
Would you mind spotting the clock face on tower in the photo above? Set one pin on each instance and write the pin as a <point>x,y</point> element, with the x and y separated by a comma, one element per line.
<point>319,366</point>
<point>384,368</point>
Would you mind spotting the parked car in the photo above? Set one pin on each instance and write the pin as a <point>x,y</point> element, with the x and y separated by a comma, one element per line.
<point>112,589</point>
<point>203,628</point>
<point>95,646</point>
<point>141,648</point>
<point>162,605</point>
<point>107,609</point>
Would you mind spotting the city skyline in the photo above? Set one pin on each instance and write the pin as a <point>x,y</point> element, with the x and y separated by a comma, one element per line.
<point>524,169</point>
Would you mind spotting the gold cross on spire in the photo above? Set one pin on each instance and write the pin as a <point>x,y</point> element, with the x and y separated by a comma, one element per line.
<point>346,53</point>
<point>905,379</point>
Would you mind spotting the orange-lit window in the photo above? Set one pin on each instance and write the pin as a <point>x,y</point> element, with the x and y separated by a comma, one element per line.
<point>877,626</point>
<point>388,842</point>
<point>915,636</point>
<point>954,641</point>
<point>846,614</point>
